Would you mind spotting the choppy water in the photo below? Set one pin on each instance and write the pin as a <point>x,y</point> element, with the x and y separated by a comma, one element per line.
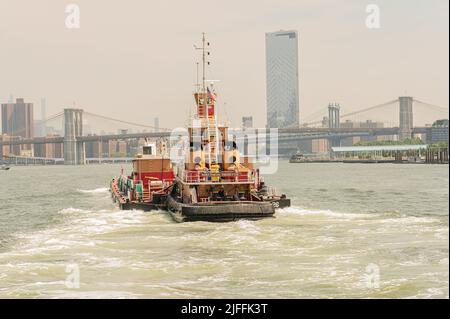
<point>354,231</point>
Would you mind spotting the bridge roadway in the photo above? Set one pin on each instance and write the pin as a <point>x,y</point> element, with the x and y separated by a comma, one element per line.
<point>303,133</point>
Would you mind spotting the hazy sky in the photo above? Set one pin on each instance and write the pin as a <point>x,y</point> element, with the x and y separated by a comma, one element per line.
<point>135,59</point>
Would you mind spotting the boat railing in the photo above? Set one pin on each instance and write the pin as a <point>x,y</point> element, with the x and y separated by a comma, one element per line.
<point>206,177</point>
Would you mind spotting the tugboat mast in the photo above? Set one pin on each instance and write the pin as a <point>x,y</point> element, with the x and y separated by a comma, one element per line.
<point>204,63</point>
<point>205,52</point>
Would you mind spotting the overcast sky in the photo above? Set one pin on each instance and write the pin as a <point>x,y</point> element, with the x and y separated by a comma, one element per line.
<point>135,59</point>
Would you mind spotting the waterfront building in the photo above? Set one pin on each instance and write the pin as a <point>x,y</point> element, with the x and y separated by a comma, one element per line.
<point>319,146</point>
<point>437,134</point>
<point>49,150</point>
<point>117,148</point>
<point>7,150</point>
<point>93,149</point>
<point>17,119</point>
<point>349,141</point>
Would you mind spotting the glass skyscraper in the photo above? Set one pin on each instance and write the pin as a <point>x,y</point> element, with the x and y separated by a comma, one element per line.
<point>282,79</point>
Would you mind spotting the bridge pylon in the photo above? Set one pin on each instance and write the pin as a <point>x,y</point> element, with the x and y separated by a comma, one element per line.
<point>74,152</point>
<point>334,121</point>
<point>405,117</point>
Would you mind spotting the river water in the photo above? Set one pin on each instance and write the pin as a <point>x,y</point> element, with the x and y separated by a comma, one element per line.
<point>354,231</point>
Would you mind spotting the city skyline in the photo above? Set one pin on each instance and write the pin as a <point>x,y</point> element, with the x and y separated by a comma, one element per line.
<point>105,65</point>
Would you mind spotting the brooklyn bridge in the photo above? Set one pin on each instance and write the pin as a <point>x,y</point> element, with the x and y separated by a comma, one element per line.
<point>332,127</point>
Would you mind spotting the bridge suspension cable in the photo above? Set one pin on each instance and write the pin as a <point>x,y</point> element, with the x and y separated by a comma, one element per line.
<point>432,106</point>
<point>369,108</point>
<point>125,122</point>
<point>314,115</point>
<point>54,116</point>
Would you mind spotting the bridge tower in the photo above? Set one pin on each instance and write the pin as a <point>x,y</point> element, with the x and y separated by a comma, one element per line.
<point>74,153</point>
<point>334,111</point>
<point>405,117</point>
<point>334,121</point>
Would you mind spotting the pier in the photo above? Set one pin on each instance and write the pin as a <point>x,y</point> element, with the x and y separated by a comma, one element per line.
<point>436,155</point>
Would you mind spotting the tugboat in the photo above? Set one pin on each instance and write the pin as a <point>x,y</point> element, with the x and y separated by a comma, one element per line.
<point>297,158</point>
<point>147,186</point>
<point>213,181</point>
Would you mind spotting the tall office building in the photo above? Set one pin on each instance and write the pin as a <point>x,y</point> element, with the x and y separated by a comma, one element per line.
<point>282,79</point>
<point>43,109</point>
<point>43,130</point>
<point>17,119</point>
<point>156,124</point>
<point>247,122</point>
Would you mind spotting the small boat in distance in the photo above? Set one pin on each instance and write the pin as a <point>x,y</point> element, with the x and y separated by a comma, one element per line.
<point>297,158</point>
<point>4,167</point>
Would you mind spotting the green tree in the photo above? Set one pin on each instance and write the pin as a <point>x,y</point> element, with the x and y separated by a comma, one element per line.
<point>442,122</point>
<point>408,141</point>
